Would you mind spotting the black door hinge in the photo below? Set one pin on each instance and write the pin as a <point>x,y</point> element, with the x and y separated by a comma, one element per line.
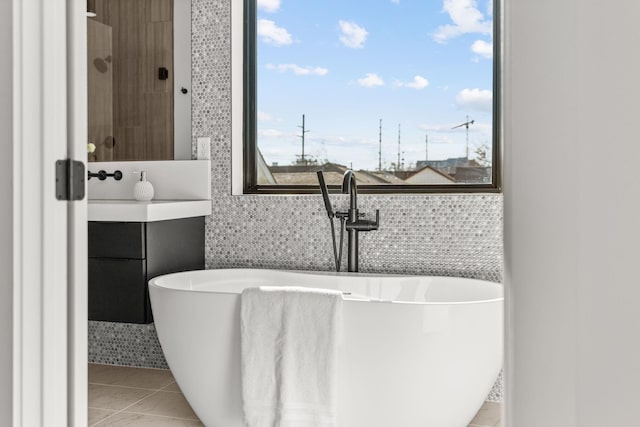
<point>70,179</point>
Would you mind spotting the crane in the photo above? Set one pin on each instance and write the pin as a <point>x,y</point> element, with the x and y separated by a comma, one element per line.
<point>466,125</point>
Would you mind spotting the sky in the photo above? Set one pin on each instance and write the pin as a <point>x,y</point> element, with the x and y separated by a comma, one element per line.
<point>420,66</point>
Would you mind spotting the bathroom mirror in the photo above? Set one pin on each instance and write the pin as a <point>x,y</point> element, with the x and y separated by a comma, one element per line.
<point>139,79</point>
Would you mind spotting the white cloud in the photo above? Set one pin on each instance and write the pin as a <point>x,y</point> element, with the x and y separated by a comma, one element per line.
<point>418,83</point>
<point>298,70</point>
<point>475,99</point>
<point>264,117</point>
<point>371,80</point>
<point>271,133</point>
<point>272,34</point>
<point>353,35</point>
<point>438,128</point>
<point>269,5</point>
<point>482,48</point>
<point>466,19</point>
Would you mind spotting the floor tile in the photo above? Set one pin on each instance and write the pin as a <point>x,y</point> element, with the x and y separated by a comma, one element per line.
<point>172,387</point>
<point>489,414</point>
<point>96,415</point>
<point>153,379</point>
<point>113,397</point>
<point>125,419</point>
<point>163,403</point>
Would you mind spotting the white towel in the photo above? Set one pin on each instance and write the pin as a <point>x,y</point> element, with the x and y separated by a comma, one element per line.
<point>289,342</point>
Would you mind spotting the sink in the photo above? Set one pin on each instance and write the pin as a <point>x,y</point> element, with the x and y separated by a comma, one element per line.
<point>155,210</point>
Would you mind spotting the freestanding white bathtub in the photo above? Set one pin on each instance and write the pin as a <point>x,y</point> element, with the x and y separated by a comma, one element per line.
<point>415,351</point>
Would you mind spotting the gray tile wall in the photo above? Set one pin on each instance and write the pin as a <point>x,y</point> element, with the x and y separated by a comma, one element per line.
<point>451,235</point>
<point>125,344</point>
<point>457,235</point>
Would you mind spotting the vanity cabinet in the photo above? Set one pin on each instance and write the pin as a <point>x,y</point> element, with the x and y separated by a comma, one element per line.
<point>124,256</point>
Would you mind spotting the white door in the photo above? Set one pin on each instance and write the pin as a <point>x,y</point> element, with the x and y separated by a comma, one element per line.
<point>77,211</point>
<point>49,235</point>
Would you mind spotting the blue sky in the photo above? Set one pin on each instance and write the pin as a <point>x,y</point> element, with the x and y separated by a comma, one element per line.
<point>422,64</point>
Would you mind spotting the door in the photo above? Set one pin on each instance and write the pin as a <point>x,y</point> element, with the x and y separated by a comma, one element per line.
<point>49,235</point>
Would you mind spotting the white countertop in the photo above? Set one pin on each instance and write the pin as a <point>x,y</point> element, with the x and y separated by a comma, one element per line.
<point>155,210</point>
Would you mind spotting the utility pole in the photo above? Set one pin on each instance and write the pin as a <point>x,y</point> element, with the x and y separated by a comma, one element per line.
<point>398,164</point>
<point>466,125</point>
<point>380,148</point>
<point>302,159</point>
<point>426,147</point>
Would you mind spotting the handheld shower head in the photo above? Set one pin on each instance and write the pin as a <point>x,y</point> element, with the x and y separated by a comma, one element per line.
<point>325,194</point>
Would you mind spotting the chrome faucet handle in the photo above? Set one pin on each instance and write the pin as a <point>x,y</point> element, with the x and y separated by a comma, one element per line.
<point>342,214</point>
<point>102,175</point>
<point>376,224</point>
<point>365,225</point>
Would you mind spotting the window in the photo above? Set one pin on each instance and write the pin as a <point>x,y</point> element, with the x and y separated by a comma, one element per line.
<point>404,92</point>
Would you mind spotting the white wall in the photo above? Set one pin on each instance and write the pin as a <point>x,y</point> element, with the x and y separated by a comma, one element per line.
<point>572,240</point>
<point>182,78</point>
<point>6,216</point>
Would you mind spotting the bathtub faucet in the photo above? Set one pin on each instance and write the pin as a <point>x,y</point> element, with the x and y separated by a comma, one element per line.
<point>354,224</point>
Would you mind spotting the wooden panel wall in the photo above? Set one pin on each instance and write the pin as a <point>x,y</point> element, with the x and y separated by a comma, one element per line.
<point>142,103</point>
<point>100,82</point>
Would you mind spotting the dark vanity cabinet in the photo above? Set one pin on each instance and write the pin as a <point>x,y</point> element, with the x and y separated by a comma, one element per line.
<point>124,256</point>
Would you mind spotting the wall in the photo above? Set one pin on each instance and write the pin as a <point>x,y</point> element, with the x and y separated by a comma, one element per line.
<point>142,42</point>
<point>440,234</point>
<point>6,216</point>
<point>571,239</point>
<point>452,235</point>
<point>100,88</point>
<point>182,79</point>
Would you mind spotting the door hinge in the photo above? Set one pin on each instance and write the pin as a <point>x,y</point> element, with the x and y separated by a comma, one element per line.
<point>70,180</point>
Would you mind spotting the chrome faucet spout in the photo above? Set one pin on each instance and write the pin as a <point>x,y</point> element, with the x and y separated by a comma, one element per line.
<point>354,224</point>
<point>350,187</point>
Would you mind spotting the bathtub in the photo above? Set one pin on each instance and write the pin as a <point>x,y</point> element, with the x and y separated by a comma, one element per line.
<point>414,351</point>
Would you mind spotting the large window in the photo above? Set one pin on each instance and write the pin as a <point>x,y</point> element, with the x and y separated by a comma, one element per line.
<point>404,92</point>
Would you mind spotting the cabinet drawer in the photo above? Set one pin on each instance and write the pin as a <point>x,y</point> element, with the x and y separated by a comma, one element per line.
<point>118,291</point>
<point>117,240</point>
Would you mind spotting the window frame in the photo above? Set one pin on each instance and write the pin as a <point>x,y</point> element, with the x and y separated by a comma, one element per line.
<point>249,126</point>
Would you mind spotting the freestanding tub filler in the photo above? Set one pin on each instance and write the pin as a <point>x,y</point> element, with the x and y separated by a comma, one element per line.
<point>414,351</point>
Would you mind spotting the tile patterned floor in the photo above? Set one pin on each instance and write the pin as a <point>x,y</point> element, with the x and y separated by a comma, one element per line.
<point>122,396</point>
<point>135,397</point>
<point>490,415</point>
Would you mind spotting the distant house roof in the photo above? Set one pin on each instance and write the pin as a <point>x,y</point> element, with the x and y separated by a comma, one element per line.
<point>473,175</point>
<point>447,166</point>
<point>429,175</point>
<point>264,174</point>
<point>389,177</point>
<point>307,174</point>
<point>333,174</point>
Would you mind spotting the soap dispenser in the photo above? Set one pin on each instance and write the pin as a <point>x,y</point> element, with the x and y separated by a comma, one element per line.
<point>143,190</point>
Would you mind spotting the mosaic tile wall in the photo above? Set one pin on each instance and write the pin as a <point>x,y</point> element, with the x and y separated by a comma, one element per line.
<point>440,234</point>
<point>451,235</point>
<point>125,344</point>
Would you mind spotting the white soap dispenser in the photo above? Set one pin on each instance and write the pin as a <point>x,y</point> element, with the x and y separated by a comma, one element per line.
<point>143,190</point>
